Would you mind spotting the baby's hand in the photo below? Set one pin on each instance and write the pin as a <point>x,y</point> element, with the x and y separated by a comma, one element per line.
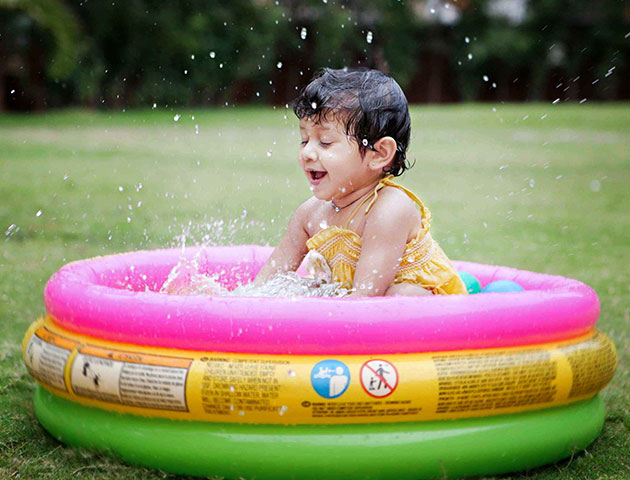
<point>317,266</point>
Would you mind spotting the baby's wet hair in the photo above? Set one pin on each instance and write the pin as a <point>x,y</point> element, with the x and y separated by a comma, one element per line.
<point>369,103</point>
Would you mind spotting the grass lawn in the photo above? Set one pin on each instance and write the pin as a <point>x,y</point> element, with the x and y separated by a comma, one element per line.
<point>532,186</point>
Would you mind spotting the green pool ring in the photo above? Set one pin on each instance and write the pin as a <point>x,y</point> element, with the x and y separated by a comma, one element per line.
<point>397,451</point>
<point>471,282</point>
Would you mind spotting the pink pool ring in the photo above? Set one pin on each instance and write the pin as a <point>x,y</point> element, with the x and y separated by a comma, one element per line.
<point>116,298</point>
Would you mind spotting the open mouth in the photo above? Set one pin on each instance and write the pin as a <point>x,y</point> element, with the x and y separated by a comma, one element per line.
<point>316,175</point>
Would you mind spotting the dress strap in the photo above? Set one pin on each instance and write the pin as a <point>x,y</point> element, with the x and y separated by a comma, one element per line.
<point>387,181</point>
<point>358,207</point>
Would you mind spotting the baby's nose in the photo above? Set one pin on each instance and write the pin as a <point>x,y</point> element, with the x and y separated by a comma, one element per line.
<point>308,152</point>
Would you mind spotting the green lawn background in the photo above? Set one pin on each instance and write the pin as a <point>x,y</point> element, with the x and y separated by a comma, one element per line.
<point>533,186</point>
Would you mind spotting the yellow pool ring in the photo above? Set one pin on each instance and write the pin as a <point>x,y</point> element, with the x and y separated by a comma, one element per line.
<point>283,389</point>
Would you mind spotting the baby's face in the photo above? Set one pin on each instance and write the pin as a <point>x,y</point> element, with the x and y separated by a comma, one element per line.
<point>331,160</point>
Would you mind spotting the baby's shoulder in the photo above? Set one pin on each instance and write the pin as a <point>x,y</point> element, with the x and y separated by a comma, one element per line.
<point>394,210</point>
<point>394,201</point>
<point>311,206</point>
<point>309,210</point>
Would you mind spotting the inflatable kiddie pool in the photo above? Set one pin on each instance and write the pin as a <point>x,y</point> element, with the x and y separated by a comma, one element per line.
<point>272,388</point>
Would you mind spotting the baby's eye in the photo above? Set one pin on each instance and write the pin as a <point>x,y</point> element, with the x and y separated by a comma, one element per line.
<point>303,142</point>
<point>325,144</point>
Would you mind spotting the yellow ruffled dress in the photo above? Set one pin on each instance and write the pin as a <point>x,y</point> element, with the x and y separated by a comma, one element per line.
<point>423,261</point>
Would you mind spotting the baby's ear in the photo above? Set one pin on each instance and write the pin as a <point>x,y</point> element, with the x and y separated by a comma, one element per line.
<point>381,157</point>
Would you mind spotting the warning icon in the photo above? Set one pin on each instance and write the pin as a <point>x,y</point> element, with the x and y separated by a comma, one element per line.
<point>379,378</point>
<point>330,378</point>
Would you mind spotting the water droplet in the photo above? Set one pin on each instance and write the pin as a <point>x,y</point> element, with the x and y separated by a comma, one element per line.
<point>155,105</point>
<point>314,105</point>
<point>467,40</point>
<point>39,212</point>
<point>177,117</point>
<point>532,183</point>
<point>303,33</point>
<point>432,10</point>
<point>213,54</point>
<point>12,91</point>
<point>369,37</point>
<point>279,64</point>
<point>291,373</point>
<point>269,153</point>
<point>196,129</point>
<point>470,56</point>
<point>120,188</point>
<point>192,57</point>
<point>282,410</point>
<point>323,224</point>
<point>557,100</point>
<point>232,388</point>
<point>485,78</point>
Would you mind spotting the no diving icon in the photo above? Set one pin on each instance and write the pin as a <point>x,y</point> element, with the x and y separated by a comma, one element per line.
<point>379,378</point>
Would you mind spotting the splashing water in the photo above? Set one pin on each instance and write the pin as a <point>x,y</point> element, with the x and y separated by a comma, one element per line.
<point>186,279</point>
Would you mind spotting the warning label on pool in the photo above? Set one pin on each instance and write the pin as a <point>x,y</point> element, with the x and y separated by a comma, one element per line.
<point>315,389</point>
<point>492,381</point>
<point>130,378</point>
<point>46,356</point>
<point>379,378</point>
<point>240,386</point>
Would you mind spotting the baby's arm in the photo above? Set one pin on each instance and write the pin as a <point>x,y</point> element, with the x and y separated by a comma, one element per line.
<point>387,229</point>
<point>292,247</point>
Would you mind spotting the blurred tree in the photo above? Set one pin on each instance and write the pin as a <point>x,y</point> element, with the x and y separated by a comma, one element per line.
<point>29,31</point>
<point>146,52</point>
<point>545,50</point>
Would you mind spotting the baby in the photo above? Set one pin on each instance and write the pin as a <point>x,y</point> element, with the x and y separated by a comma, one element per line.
<point>372,233</point>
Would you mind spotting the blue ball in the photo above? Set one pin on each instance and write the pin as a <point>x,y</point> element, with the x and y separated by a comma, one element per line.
<point>502,286</point>
<point>471,282</point>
